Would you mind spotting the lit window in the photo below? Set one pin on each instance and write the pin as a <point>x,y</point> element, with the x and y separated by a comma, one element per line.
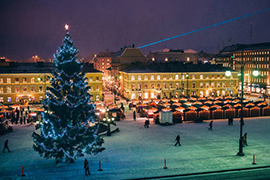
<point>139,86</point>
<point>176,76</point>
<point>40,98</point>
<point>97,78</point>
<point>32,89</point>
<point>132,78</point>
<point>16,80</point>
<point>158,77</point>
<point>193,76</point>
<point>9,99</point>
<point>139,78</point>
<point>24,80</point>
<point>8,89</point>
<point>8,80</point>
<point>201,76</point>
<point>152,86</point>
<point>152,77</point>
<point>133,86</point>
<point>40,89</point>
<point>145,86</point>
<point>108,59</point>
<point>145,78</point>
<point>164,85</point>
<point>1,90</point>
<point>166,59</point>
<point>17,99</point>
<point>193,85</point>
<point>17,89</point>
<point>1,80</point>
<point>1,99</point>
<point>201,85</point>
<point>153,59</point>
<point>188,59</point>
<point>97,88</point>
<point>32,80</point>
<point>91,78</point>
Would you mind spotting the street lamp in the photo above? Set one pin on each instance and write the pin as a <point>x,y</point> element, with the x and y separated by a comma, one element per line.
<point>255,73</point>
<point>109,121</point>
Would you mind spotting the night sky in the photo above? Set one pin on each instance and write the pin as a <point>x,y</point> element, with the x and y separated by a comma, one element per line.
<point>36,27</point>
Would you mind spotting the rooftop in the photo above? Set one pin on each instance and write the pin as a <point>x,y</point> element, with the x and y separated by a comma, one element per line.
<point>245,47</point>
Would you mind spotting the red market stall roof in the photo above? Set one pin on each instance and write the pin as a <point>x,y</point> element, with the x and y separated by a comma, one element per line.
<point>166,109</point>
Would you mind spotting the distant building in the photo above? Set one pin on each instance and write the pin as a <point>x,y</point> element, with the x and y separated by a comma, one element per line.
<point>258,55</point>
<point>27,82</point>
<point>170,55</point>
<point>174,79</point>
<point>103,60</point>
<point>122,59</point>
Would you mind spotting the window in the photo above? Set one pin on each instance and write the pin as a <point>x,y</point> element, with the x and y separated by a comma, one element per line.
<point>152,77</point>
<point>91,78</point>
<point>164,77</point>
<point>158,86</point>
<point>32,80</point>
<point>166,59</point>
<point>8,89</point>
<point>48,79</point>
<point>171,85</point>
<point>40,89</point>
<point>8,80</point>
<point>153,59</point>
<point>9,99</point>
<point>16,80</point>
<point>1,99</point>
<point>201,76</point>
<point>201,85</point>
<point>132,78</point>
<point>17,89</point>
<point>133,86</point>
<point>24,80</point>
<point>145,86</point>
<point>212,85</point>
<point>213,77</point>
<point>152,86</point>
<point>164,85</point>
<point>1,90</point>
<point>17,99</point>
<point>97,87</point>
<point>97,78</point>
<point>139,78</point>
<point>218,76</point>
<point>1,80</point>
<point>40,98</point>
<point>193,85</point>
<point>176,85</point>
<point>207,85</point>
<point>183,85</point>
<point>183,77</point>
<point>176,76</point>
<point>223,84</point>
<point>218,84</point>
<point>158,77</point>
<point>32,89</point>
<point>193,76</point>
<point>207,77</point>
<point>139,86</point>
<point>188,59</point>
<point>145,78</point>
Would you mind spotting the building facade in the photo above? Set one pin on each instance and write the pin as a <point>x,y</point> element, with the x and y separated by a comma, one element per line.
<point>170,55</point>
<point>25,83</point>
<point>254,56</point>
<point>176,79</point>
<point>103,60</point>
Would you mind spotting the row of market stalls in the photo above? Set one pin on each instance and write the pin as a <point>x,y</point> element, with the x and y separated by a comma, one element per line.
<point>108,109</point>
<point>192,109</point>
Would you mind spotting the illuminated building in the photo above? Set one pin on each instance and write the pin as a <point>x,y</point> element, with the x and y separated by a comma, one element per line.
<point>173,79</point>
<point>27,82</point>
<point>259,54</point>
<point>103,60</point>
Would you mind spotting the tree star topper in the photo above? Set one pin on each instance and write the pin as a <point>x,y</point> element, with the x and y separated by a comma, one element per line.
<point>66,27</point>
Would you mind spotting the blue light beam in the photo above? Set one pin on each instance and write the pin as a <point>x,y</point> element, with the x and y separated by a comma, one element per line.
<point>234,19</point>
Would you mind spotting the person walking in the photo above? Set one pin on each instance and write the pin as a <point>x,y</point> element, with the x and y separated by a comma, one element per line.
<point>146,123</point>
<point>245,140</point>
<point>86,167</point>
<point>177,140</point>
<point>210,126</point>
<point>134,115</point>
<point>6,146</point>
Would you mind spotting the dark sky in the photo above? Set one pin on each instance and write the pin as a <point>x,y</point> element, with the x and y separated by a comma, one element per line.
<point>36,27</point>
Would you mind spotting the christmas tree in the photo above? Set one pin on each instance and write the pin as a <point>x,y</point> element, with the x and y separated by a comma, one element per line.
<point>65,132</point>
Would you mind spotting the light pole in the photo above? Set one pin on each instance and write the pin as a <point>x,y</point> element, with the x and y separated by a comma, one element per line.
<point>255,73</point>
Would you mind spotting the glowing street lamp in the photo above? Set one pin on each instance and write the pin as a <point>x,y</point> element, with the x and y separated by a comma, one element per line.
<point>109,121</point>
<point>228,74</point>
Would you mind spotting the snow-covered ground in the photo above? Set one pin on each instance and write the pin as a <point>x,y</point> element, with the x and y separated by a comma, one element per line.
<point>137,152</point>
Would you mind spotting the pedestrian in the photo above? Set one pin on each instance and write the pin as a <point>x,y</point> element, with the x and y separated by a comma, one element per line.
<point>129,106</point>
<point>23,119</point>
<point>6,146</point>
<point>146,123</point>
<point>28,108</point>
<point>86,167</point>
<point>210,126</point>
<point>177,140</point>
<point>245,140</point>
<point>134,115</point>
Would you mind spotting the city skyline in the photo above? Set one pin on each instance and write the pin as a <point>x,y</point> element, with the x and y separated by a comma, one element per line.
<point>35,28</point>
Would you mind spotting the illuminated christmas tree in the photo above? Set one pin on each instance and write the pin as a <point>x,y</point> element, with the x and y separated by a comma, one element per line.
<point>65,132</point>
